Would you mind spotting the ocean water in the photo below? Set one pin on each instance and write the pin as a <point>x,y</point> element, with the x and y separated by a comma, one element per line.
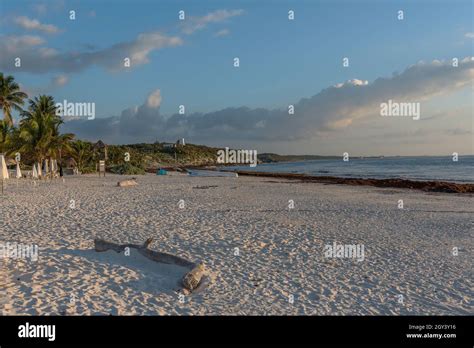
<point>413,168</point>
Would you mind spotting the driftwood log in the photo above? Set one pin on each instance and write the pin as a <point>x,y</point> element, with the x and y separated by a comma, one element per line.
<point>191,281</point>
<point>125,183</point>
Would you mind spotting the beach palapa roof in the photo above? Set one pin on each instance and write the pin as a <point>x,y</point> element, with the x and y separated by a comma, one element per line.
<point>71,162</point>
<point>100,145</point>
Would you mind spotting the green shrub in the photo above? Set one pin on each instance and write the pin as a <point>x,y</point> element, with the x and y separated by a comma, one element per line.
<point>126,169</point>
<point>88,170</point>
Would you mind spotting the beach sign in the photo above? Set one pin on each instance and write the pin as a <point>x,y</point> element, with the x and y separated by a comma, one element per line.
<point>101,167</point>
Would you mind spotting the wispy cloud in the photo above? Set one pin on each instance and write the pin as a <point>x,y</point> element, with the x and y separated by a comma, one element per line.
<point>221,33</point>
<point>34,24</point>
<point>193,24</point>
<point>332,109</point>
<point>12,43</point>
<point>55,83</point>
<point>40,59</point>
<point>48,7</point>
<point>458,131</point>
<point>469,35</point>
<point>60,80</point>
<point>40,9</point>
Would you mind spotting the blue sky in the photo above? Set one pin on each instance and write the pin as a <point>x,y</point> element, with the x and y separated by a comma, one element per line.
<point>281,62</point>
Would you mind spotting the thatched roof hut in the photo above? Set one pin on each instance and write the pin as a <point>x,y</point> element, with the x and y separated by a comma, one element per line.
<point>101,146</point>
<point>71,163</point>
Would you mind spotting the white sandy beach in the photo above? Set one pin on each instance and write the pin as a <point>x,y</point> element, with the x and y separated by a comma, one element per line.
<point>407,251</point>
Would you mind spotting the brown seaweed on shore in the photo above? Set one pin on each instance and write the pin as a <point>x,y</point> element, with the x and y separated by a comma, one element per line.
<point>428,186</point>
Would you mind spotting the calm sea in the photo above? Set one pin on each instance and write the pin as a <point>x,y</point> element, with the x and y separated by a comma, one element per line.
<point>413,168</point>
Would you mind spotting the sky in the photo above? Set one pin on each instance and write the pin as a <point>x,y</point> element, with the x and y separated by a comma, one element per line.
<point>282,62</point>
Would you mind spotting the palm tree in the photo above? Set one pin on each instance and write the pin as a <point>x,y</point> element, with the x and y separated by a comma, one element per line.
<point>82,153</point>
<point>10,97</point>
<point>37,135</point>
<point>44,104</point>
<point>39,128</point>
<point>61,143</point>
<point>5,132</point>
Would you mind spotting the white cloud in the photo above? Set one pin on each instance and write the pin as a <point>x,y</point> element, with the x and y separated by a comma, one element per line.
<point>469,35</point>
<point>332,109</point>
<point>55,83</point>
<point>34,24</point>
<point>11,43</point>
<point>154,99</point>
<point>111,58</point>
<point>193,24</point>
<point>60,80</point>
<point>139,49</point>
<point>221,33</point>
<point>353,82</point>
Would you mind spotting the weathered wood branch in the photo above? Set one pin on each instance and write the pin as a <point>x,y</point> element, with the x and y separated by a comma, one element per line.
<point>191,281</point>
<point>126,183</point>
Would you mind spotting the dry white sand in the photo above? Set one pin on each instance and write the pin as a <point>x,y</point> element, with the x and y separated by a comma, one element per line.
<point>408,251</point>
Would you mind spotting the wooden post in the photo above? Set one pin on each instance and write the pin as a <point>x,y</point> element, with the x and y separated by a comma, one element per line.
<point>101,167</point>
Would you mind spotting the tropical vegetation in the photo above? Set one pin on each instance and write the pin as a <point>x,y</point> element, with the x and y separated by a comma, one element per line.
<point>37,137</point>
<point>11,98</point>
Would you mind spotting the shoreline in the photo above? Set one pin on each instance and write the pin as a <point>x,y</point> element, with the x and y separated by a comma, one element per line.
<point>427,186</point>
